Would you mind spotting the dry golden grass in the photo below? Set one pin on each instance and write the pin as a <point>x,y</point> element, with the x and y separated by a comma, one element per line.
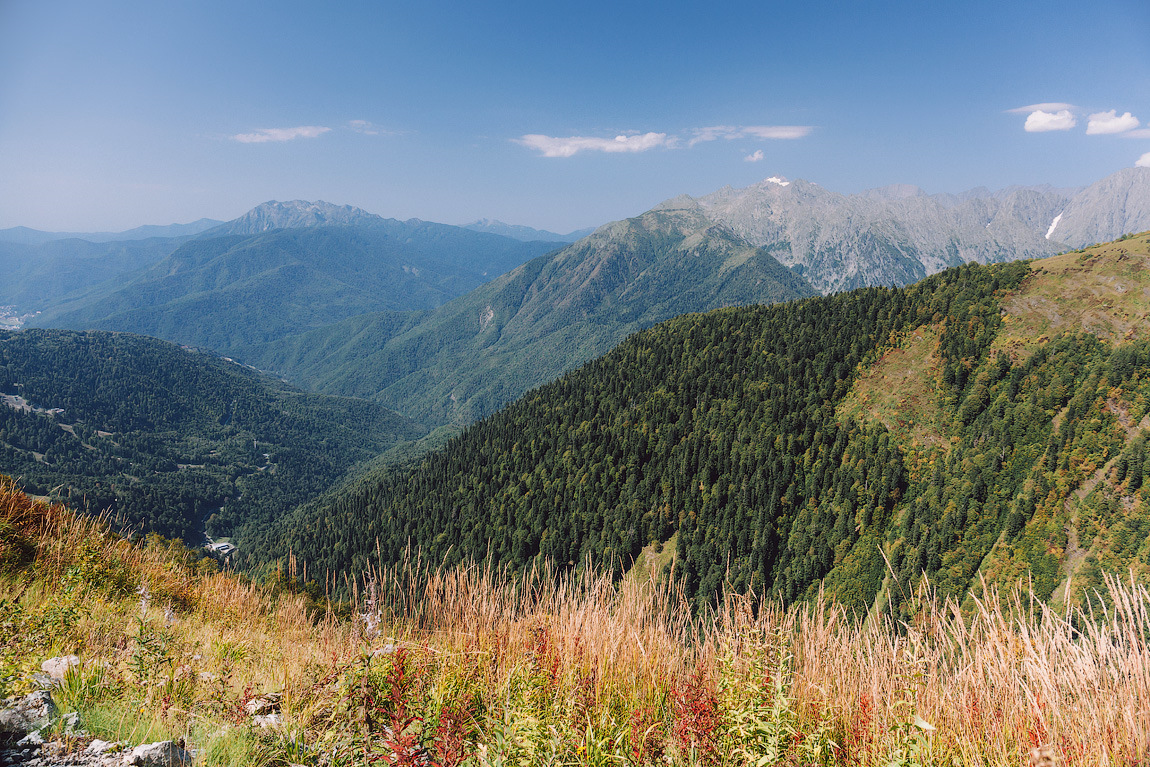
<point>1011,677</point>
<point>567,661</point>
<point>1104,290</point>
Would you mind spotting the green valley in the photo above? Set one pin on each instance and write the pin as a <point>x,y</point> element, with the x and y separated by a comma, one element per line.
<point>168,439</point>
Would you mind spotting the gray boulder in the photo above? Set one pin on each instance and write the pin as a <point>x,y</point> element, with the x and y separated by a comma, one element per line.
<point>57,668</point>
<point>162,754</point>
<point>20,716</point>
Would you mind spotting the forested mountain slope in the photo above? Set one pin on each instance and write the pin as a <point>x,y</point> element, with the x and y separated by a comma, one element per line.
<point>970,425</point>
<point>164,437</point>
<point>26,236</point>
<point>38,276</point>
<point>483,350</point>
<point>242,283</point>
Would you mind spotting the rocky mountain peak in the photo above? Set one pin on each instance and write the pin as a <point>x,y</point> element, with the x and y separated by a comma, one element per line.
<point>1116,205</point>
<point>894,192</point>
<point>294,214</point>
<point>898,234</point>
<point>682,202</point>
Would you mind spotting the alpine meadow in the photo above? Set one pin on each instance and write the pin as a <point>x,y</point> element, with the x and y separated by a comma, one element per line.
<point>623,385</point>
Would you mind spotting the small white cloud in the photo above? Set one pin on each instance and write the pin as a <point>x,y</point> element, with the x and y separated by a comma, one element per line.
<point>366,128</point>
<point>280,134</point>
<point>728,132</point>
<point>1143,161</point>
<point>1048,106</point>
<point>551,146</point>
<point>778,131</point>
<point>755,156</point>
<point>1041,121</point>
<point>1102,123</point>
<point>1140,133</point>
<point>714,132</point>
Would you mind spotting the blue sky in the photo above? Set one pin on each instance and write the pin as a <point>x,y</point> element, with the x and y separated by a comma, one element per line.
<point>557,115</point>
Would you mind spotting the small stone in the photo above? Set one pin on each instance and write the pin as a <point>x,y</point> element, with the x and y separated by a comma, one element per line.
<point>263,705</point>
<point>162,754</point>
<point>57,668</point>
<point>71,722</point>
<point>268,721</point>
<point>98,747</point>
<point>42,680</point>
<point>31,740</point>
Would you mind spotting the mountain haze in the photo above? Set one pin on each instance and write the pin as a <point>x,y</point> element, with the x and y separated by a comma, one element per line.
<point>25,236</point>
<point>41,276</point>
<point>525,233</point>
<point>252,280</point>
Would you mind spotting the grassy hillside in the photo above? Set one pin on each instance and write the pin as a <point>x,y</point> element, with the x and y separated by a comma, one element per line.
<point>852,443</point>
<point>168,439</point>
<point>470,667</point>
<point>481,351</point>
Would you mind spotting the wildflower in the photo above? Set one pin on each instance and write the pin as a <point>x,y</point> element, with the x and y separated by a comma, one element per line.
<point>145,597</point>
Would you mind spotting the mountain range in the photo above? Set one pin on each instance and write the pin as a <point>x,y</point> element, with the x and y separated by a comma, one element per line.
<point>469,357</point>
<point>22,235</point>
<point>897,235</point>
<point>986,424</point>
<point>448,325</point>
<point>525,233</point>
<point>475,354</point>
<point>286,267</point>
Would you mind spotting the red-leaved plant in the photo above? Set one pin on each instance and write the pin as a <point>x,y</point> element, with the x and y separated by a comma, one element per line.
<point>452,734</point>
<point>647,742</point>
<point>697,723</point>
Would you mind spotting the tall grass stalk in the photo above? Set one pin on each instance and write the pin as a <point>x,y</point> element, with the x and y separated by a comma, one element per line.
<point>480,664</point>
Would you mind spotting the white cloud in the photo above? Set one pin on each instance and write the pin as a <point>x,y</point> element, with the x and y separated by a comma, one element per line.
<point>1109,122</point>
<point>1143,161</point>
<point>755,156</point>
<point>551,146</point>
<point>729,132</point>
<point>1048,106</point>
<point>778,131</point>
<point>714,132</point>
<point>1140,133</point>
<point>366,128</point>
<point>265,135</point>
<point>1040,121</point>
